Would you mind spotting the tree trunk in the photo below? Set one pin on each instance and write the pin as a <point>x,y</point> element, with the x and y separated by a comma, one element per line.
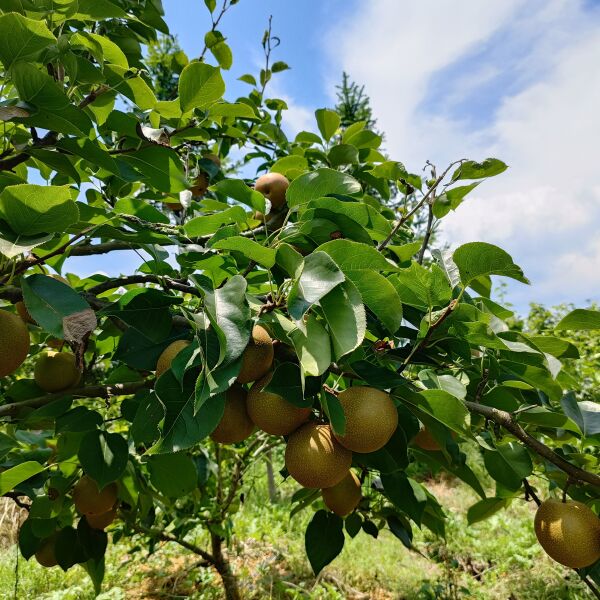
<point>223,567</point>
<point>271,478</point>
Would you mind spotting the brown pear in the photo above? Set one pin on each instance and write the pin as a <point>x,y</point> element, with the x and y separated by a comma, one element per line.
<point>235,425</point>
<point>258,356</point>
<point>273,186</point>
<point>343,497</point>
<point>169,353</point>
<point>90,500</point>
<point>314,458</point>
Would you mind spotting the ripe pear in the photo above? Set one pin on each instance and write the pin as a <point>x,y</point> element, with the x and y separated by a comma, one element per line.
<point>169,353</point>
<point>314,458</point>
<point>273,413</point>
<point>273,187</point>
<point>343,497</point>
<point>235,425</point>
<point>371,419</point>
<point>56,371</point>
<point>103,520</point>
<point>426,441</point>
<point>46,554</point>
<point>14,342</point>
<point>569,532</point>
<point>258,356</point>
<point>90,500</point>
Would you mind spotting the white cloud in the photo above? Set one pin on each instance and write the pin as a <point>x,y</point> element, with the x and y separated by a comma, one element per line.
<point>545,209</point>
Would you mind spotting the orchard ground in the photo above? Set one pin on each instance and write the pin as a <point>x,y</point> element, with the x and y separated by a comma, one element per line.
<point>498,558</point>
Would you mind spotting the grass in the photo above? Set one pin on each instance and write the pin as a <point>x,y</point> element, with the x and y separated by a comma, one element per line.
<point>497,559</point>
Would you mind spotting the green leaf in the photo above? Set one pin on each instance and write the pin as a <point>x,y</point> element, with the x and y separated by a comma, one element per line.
<point>182,427</point>
<point>211,5</point>
<point>406,494</point>
<point>345,315</point>
<point>580,319</point>
<point>538,377</point>
<point>146,310</point>
<point>250,249</point>
<point>95,569</point>
<point>140,208</point>
<point>474,170</point>
<point>12,477</point>
<point>424,288</point>
<point>509,464</point>
<point>321,182</point>
<point>35,209</point>
<point>343,154</point>
<point>287,382</point>
<point>586,414</point>
<point>55,112</point>
<point>247,78</point>
<point>451,199</point>
<point>279,66</point>
<point>477,259</point>
<point>290,166</point>
<point>335,413</point>
<point>328,122</point>
<point>440,405</point>
<point>162,467</point>
<point>236,109</point>
<point>313,347</point>
<point>98,10</point>
<point>52,303</point>
<point>134,87</point>
<point>160,167</point>
<point>319,276</point>
<point>144,428</point>
<point>324,539</point>
<point>229,313</point>
<point>103,456</point>
<point>200,86</point>
<point>484,509</point>
<point>22,38</point>
<point>223,55</point>
<point>200,226</point>
<point>238,190</point>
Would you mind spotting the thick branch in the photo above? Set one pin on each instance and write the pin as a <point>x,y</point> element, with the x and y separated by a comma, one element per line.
<point>506,420</point>
<point>9,164</point>
<point>94,391</point>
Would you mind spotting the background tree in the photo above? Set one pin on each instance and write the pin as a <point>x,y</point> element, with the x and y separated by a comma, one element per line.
<point>293,305</point>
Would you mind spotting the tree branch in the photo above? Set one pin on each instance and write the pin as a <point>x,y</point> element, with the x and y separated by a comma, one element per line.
<point>427,235</point>
<point>94,391</point>
<point>169,537</point>
<point>506,420</point>
<point>112,284</point>
<point>422,201</point>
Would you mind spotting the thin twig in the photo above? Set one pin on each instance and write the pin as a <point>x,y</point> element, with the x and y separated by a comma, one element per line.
<point>94,391</point>
<point>424,199</point>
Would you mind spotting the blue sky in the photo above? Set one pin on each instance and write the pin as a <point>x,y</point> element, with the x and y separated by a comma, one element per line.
<point>516,79</point>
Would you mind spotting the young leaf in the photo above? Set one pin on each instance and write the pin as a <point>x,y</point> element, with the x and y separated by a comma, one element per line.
<point>328,122</point>
<point>474,170</point>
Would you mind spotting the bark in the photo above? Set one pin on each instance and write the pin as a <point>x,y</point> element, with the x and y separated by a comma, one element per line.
<point>221,564</point>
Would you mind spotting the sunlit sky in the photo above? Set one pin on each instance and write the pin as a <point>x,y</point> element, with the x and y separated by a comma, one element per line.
<point>515,79</point>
